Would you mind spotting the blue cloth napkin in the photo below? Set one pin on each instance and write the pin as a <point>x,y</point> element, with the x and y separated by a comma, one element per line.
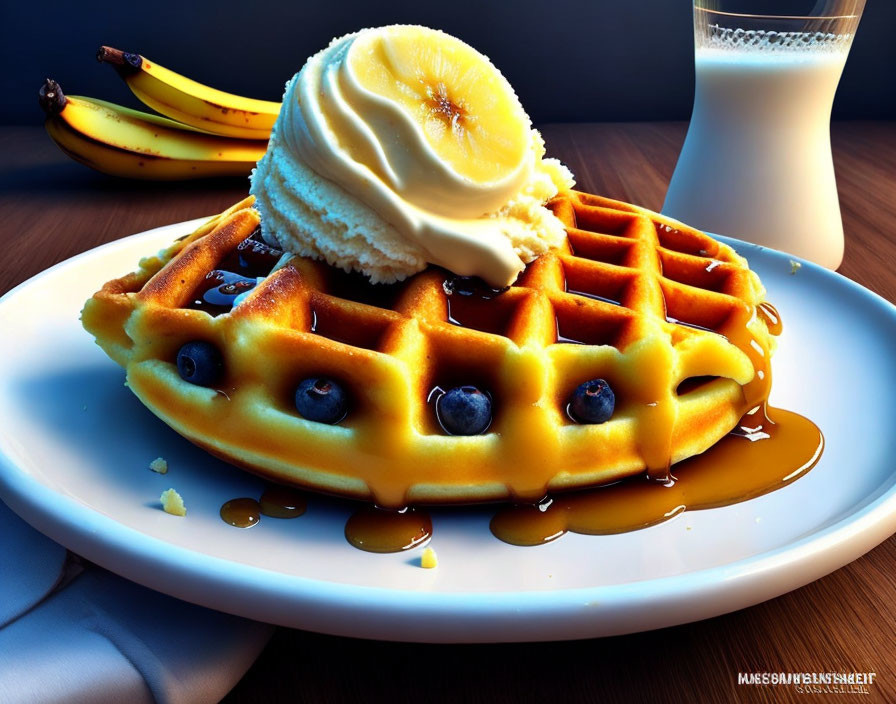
<point>73,632</point>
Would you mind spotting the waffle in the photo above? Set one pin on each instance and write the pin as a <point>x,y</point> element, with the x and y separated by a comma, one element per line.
<point>667,315</point>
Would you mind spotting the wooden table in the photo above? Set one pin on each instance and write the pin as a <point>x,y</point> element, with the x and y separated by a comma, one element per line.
<point>53,209</point>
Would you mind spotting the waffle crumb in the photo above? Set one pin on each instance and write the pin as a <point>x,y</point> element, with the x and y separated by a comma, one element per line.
<point>173,503</point>
<point>795,266</point>
<point>429,559</point>
<point>160,465</point>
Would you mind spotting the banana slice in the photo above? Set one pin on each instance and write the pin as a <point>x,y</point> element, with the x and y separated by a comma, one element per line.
<point>466,110</point>
<point>409,147</point>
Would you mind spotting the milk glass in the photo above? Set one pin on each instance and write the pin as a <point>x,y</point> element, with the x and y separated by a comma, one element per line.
<point>756,163</point>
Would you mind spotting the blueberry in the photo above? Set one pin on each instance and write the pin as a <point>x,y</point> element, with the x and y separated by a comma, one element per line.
<point>464,410</point>
<point>593,402</point>
<point>321,400</point>
<point>199,363</point>
<point>224,287</point>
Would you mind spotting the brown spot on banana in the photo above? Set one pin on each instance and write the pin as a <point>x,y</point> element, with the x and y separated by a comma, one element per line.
<point>226,110</point>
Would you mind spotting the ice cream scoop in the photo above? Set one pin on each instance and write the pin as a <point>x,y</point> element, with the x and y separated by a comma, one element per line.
<point>401,146</point>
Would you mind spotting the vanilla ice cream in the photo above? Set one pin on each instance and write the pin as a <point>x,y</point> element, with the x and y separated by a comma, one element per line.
<point>401,146</point>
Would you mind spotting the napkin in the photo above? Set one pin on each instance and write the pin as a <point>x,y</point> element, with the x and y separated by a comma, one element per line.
<point>72,632</point>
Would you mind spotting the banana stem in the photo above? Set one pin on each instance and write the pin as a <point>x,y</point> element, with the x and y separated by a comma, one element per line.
<point>51,98</point>
<point>123,61</point>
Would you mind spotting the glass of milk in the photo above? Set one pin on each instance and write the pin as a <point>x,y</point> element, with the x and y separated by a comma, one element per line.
<point>756,163</point>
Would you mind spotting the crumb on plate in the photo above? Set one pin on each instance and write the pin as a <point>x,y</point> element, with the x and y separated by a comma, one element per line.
<point>429,559</point>
<point>159,465</point>
<point>173,503</point>
<point>795,266</point>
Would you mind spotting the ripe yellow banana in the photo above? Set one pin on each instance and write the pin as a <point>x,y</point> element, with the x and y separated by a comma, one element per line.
<point>192,103</point>
<point>124,142</point>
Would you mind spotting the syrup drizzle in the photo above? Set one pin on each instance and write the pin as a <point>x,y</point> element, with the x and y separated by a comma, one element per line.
<point>768,449</point>
<point>764,453</point>
<point>755,391</point>
<point>772,318</point>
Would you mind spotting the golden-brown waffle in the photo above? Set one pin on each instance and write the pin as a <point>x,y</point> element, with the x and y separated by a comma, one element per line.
<point>664,313</point>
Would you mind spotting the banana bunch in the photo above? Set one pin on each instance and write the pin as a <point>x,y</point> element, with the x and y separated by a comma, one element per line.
<point>206,133</point>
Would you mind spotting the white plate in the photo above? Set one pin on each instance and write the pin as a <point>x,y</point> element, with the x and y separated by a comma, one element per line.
<point>75,445</point>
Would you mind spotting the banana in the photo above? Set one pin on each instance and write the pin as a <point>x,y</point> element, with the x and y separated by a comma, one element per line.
<point>192,103</point>
<point>124,142</point>
<point>466,109</point>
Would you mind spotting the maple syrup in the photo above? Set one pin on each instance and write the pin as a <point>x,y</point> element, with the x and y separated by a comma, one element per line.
<point>237,274</point>
<point>241,513</point>
<point>772,318</point>
<point>252,258</point>
<point>376,529</point>
<point>282,502</point>
<point>471,286</point>
<point>276,502</point>
<point>766,451</point>
<point>218,290</point>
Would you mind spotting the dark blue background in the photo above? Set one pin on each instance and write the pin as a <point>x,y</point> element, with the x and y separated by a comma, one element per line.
<point>569,60</point>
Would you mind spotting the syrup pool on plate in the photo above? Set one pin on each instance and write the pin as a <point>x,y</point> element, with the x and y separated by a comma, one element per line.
<point>769,449</point>
<point>275,502</point>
